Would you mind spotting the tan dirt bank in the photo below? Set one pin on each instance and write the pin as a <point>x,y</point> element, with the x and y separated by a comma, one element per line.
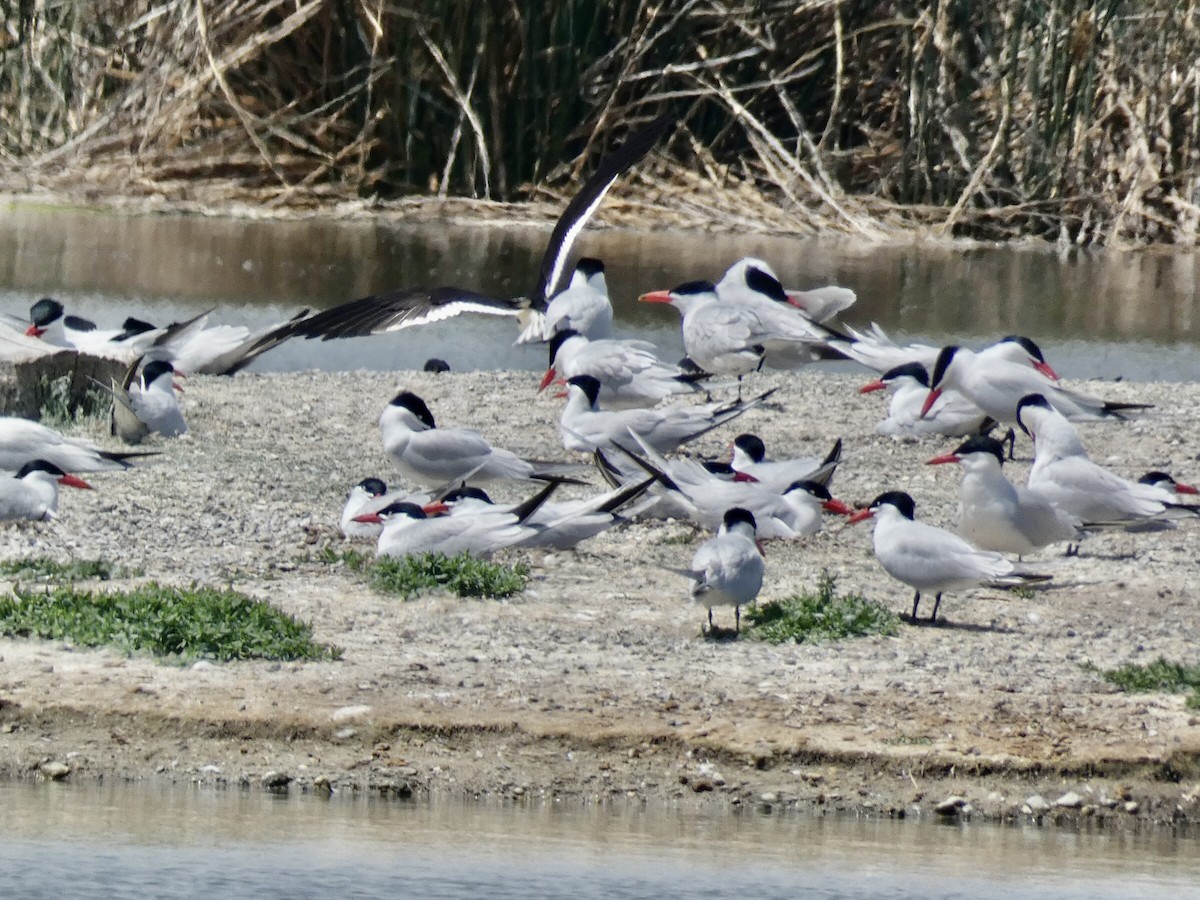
<point>595,684</point>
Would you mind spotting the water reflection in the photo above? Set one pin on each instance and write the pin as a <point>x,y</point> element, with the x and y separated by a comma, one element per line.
<point>64,840</point>
<point>1135,304</point>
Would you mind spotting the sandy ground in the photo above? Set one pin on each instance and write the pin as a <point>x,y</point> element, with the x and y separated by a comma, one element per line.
<point>596,683</point>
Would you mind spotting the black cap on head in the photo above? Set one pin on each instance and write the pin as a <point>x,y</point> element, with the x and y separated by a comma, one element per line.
<point>373,486</point>
<point>1027,345</point>
<point>415,405</point>
<point>435,365</point>
<point>736,515</point>
<point>559,338</point>
<point>752,446</point>
<point>45,311</point>
<point>589,266</point>
<point>466,492</point>
<point>817,489</point>
<point>40,465</point>
<point>1156,477</point>
<point>694,287</point>
<point>589,385</point>
<point>898,499</point>
<point>758,280</point>
<point>403,508</point>
<point>908,369</point>
<point>156,369</point>
<point>1027,401</point>
<point>981,444</point>
<point>944,358</point>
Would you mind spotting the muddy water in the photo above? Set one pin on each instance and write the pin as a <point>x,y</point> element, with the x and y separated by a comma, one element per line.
<point>1135,316</point>
<point>67,841</point>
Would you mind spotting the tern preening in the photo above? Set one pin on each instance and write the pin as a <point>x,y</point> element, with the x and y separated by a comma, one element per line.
<point>951,414</point>
<point>819,304</point>
<point>749,459</point>
<point>931,559</point>
<point>33,492</point>
<point>629,372</point>
<point>995,514</point>
<point>727,569</point>
<point>407,307</point>
<point>146,404</point>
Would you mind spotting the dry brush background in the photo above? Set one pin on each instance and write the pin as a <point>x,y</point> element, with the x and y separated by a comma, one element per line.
<point>1069,120</point>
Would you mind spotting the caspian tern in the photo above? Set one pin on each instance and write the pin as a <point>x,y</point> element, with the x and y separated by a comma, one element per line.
<point>819,304</point>
<point>585,427</point>
<point>476,528</point>
<point>687,489</point>
<point>1064,474</point>
<point>997,385</point>
<point>951,414</point>
<point>750,459</point>
<point>33,492</point>
<point>928,558</point>
<point>195,347</point>
<point>1173,491</point>
<point>52,325</point>
<point>368,496</point>
<point>583,307</point>
<point>430,456</point>
<point>561,525</point>
<point>876,350</point>
<point>734,337</point>
<point>995,514</point>
<point>22,441</point>
<point>405,308</point>
<point>629,372</point>
<point>146,404</point>
<point>727,569</point>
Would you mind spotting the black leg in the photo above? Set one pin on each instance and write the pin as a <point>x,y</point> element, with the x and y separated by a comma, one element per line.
<point>937,601</point>
<point>1011,437</point>
<point>916,603</point>
<point>737,620</point>
<point>710,624</point>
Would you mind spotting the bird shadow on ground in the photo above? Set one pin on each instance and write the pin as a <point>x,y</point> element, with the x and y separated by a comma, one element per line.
<point>943,623</point>
<point>719,635</point>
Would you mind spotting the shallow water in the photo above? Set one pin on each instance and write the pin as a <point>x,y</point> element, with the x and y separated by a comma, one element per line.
<point>65,841</point>
<point>1098,315</point>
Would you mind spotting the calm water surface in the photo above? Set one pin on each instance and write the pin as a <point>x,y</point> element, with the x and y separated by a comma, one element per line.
<point>64,841</point>
<point>1100,315</point>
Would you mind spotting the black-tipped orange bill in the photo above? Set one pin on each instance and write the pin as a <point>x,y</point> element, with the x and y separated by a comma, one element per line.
<point>877,385</point>
<point>547,379</point>
<point>835,505</point>
<point>75,482</point>
<point>862,515</point>
<point>944,458</point>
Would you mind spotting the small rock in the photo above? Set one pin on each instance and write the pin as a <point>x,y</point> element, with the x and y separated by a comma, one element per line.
<point>55,771</point>
<point>202,665</point>
<point>1131,806</point>
<point>951,806</point>
<point>349,713</point>
<point>1037,804</point>
<point>276,781</point>
<point>344,734</point>
<point>702,785</point>
<point>769,797</point>
<point>1069,800</point>
<point>322,786</point>
<point>210,769</point>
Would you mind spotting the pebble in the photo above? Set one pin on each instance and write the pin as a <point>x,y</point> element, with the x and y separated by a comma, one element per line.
<point>54,771</point>
<point>1036,804</point>
<point>349,713</point>
<point>276,781</point>
<point>1069,800</point>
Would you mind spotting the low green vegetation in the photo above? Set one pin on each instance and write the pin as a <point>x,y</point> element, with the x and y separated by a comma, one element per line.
<point>62,407</point>
<point>407,576</point>
<point>45,569</point>
<point>185,622</point>
<point>1160,675</point>
<point>821,616</point>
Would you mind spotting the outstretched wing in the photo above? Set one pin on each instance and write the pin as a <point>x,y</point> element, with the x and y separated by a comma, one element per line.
<point>581,207</point>
<point>403,308</point>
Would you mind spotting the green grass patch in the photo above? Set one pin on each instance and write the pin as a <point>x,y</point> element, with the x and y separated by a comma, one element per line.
<point>186,622</point>
<point>62,407</point>
<point>407,576</point>
<point>821,616</point>
<point>46,569</point>
<point>1159,676</point>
